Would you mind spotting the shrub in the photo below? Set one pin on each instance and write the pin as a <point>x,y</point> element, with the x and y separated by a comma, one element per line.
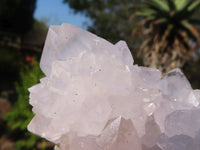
<point>21,114</point>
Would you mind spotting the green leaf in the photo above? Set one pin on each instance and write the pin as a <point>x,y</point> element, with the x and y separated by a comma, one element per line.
<point>180,4</point>
<point>144,14</point>
<point>194,5</point>
<point>150,10</point>
<point>159,11</point>
<point>184,13</point>
<point>159,21</point>
<point>163,5</point>
<point>21,114</point>
<point>190,29</point>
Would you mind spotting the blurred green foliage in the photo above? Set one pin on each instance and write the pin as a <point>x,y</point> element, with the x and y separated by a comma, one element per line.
<point>37,34</point>
<point>9,63</point>
<point>21,38</point>
<point>21,114</point>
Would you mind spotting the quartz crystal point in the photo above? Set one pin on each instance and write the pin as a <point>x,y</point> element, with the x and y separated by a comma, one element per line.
<point>94,98</point>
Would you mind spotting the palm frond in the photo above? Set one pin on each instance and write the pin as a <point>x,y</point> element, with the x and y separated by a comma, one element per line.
<point>149,10</point>
<point>159,21</point>
<point>159,10</point>
<point>169,29</point>
<point>191,29</point>
<point>181,4</point>
<point>145,14</point>
<point>183,13</point>
<point>163,5</point>
<point>194,5</point>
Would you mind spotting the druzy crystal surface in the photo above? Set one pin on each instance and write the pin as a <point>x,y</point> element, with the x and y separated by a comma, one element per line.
<point>94,98</point>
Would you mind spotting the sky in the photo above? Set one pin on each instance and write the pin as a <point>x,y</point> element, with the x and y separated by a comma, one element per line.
<point>55,12</point>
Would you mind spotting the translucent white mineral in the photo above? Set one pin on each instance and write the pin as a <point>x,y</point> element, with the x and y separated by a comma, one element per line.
<point>94,98</point>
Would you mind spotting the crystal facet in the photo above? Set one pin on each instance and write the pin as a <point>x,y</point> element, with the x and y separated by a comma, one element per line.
<point>94,98</point>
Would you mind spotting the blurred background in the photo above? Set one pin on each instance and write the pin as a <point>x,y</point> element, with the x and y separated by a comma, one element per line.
<point>162,34</point>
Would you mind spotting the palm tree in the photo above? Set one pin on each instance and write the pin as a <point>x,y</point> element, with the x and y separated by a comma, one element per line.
<point>171,36</point>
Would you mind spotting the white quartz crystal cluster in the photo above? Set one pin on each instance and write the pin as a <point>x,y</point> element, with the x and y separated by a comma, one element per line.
<point>94,98</point>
